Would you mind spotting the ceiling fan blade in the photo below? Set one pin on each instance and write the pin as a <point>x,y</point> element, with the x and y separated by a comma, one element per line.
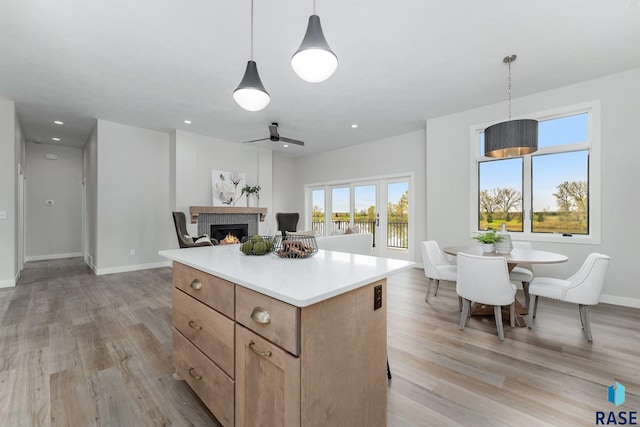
<point>256,140</point>
<point>291,141</point>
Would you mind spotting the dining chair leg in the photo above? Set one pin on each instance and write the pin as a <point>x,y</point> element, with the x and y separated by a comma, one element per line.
<point>535,305</point>
<point>435,294</point>
<point>532,313</point>
<point>512,314</point>
<point>497,312</point>
<point>584,316</point>
<point>459,303</point>
<point>464,316</point>
<point>527,297</point>
<point>426,298</point>
<point>388,369</point>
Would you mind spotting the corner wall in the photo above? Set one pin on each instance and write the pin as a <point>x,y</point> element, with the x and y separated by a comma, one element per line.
<point>8,159</point>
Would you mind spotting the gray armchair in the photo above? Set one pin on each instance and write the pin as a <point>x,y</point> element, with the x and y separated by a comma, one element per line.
<point>180,221</point>
<point>287,221</point>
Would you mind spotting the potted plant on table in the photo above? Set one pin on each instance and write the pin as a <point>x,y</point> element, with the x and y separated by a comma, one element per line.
<point>488,240</point>
<point>249,190</point>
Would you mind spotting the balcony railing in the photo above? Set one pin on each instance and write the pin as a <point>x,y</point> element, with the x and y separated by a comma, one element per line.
<point>397,232</point>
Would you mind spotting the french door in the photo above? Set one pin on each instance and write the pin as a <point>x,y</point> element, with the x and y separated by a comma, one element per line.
<point>378,206</point>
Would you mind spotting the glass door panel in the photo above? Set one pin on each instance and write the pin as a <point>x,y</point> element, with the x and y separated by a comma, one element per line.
<point>340,208</point>
<point>317,212</point>
<point>364,209</point>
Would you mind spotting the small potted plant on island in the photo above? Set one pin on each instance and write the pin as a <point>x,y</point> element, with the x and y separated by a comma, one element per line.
<point>488,240</point>
<point>249,191</point>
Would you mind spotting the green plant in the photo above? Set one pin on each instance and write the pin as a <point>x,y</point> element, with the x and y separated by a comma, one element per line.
<point>489,237</point>
<point>251,190</point>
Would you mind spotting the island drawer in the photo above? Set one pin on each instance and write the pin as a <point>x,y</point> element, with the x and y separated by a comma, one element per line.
<point>275,320</point>
<point>213,291</point>
<point>211,384</point>
<point>207,329</point>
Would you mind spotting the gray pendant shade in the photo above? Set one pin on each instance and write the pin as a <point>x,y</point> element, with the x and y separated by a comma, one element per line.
<point>250,93</point>
<point>314,61</point>
<point>511,139</point>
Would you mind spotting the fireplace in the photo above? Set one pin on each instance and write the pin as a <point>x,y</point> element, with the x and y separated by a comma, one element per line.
<point>227,232</point>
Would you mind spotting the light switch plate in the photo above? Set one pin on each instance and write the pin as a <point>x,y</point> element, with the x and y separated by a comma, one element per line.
<point>49,202</point>
<point>3,214</point>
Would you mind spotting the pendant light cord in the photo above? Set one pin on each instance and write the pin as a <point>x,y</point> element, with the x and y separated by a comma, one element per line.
<point>314,7</point>
<point>252,30</point>
<point>509,89</point>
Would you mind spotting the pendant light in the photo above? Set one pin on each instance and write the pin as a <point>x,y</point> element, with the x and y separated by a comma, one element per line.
<point>514,137</point>
<point>251,94</point>
<point>314,61</point>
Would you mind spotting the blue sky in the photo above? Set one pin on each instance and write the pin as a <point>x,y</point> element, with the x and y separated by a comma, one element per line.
<point>548,170</point>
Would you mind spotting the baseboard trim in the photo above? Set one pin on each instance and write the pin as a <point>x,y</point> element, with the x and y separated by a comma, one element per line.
<point>126,268</point>
<point>623,301</point>
<point>8,283</point>
<point>52,256</point>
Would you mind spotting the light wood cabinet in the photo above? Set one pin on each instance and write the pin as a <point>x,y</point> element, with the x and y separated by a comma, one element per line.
<point>324,364</point>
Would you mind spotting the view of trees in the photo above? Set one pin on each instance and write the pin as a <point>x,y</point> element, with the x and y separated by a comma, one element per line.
<point>504,205</point>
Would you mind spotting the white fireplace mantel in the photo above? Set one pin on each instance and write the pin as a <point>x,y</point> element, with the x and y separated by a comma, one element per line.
<point>195,211</point>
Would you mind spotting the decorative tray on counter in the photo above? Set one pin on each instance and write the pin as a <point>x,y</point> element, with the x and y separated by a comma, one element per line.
<point>293,245</point>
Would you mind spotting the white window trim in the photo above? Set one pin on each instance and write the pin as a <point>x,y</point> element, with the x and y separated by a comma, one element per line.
<point>595,158</point>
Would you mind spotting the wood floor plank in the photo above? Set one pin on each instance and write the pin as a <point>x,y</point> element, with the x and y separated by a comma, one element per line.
<point>83,350</point>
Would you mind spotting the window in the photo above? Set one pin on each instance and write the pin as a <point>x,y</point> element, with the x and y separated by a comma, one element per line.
<point>550,195</point>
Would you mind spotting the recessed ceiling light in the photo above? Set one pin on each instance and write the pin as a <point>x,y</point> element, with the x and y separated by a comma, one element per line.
<point>354,125</point>
<point>58,122</point>
<point>285,145</point>
<point>188,122</point>
<point>56,139</point>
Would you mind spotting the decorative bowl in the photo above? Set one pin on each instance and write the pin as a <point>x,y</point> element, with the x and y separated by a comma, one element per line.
<point>256,245</point>
<point>293,245</point>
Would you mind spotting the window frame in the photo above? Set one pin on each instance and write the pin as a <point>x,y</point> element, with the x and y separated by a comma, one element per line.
<point>592,146</point>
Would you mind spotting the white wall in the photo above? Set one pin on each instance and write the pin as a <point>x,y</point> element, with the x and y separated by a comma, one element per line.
<point>53,231</point>
<point>196,155</point>
<point>398,155</point>
<point>448,159</point>
<point>133,210</point>
<point>20,166</point>
<point>8,271</point>
<point>283,184</point>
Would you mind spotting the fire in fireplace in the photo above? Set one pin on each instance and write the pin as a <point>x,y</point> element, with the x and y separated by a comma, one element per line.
<point>229,233</point>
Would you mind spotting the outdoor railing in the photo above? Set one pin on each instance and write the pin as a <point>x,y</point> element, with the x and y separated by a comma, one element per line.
<point>397,232</point>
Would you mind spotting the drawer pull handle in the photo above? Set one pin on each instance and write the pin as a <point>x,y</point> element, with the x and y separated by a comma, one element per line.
<point>252,347</point>
<point>261,315</point>
<point>193,375</point>
<point>196,285</point>
<point>194,325</point>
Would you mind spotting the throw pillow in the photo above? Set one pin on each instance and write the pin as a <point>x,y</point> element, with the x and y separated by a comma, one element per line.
<point>204,238</point>
<point>188,238</point>
<point>351,230</point>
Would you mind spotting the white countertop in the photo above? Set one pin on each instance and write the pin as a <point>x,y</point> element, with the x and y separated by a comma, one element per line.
<point>300,282</point>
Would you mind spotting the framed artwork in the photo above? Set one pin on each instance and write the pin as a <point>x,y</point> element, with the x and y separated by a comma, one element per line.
<point>226,187</point>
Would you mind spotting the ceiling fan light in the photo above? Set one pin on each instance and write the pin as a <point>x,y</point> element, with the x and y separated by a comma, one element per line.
<point>250,93</point>
<point>314,61</point>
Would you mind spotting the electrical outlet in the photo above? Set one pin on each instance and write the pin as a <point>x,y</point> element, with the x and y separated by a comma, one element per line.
<point>132,252</point>
<point>377,297</point>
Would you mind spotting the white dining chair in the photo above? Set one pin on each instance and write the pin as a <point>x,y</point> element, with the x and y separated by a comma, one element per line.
<point>436,267</point>
<point>485,280</point>
<point>582,288</point>
<point>523,273</point>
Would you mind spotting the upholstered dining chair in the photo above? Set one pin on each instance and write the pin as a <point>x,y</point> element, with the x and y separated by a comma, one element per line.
<point>436,267</point>
<point>485,280</point>
<point>523,273</point>
<point>582,288</point>
<point>287,221</point>
<point>180,221</point>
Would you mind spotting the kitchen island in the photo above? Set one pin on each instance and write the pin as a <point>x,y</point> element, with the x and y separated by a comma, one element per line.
<point>272,341</point>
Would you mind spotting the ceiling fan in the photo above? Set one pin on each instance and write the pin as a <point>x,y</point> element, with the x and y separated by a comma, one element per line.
<point>274,136</point>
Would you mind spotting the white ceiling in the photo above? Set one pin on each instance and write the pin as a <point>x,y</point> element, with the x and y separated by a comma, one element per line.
<point>155,63</point>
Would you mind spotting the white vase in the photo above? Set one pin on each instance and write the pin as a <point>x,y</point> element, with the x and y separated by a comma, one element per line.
<point>487,248</point>
<point>251,200</point>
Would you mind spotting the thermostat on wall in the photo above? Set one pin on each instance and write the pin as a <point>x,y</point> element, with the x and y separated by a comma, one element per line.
<point>49,202</point>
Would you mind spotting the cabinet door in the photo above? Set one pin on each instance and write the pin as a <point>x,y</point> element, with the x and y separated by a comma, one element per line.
<point>267,382</point>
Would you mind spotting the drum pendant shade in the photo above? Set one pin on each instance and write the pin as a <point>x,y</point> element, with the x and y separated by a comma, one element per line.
<point>511,139</point>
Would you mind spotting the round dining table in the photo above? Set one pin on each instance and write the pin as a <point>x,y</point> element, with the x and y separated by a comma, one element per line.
<point>515,257</point>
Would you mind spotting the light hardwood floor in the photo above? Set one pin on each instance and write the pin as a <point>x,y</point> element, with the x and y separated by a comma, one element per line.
<point>83,350</point>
